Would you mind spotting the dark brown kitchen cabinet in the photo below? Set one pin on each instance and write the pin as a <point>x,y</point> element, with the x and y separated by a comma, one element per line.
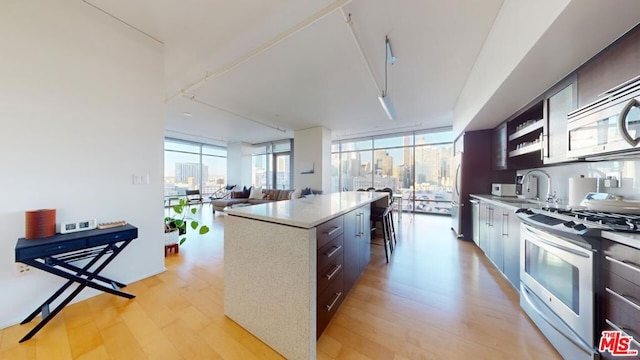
<point>357,251</point>
<point>619,294</point>
<point>344,250</point>
<point>329,267</point>
<point>560,101</point>
<point>614,65</point>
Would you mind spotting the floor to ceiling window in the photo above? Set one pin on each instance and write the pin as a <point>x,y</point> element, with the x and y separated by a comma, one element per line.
<point>271,165</point>
<point>417,165</point>
<point>193,166</point>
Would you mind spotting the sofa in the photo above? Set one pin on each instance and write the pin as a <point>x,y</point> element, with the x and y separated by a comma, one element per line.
<point>254,197</point>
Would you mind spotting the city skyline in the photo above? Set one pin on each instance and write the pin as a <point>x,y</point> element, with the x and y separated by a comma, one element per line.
<point>368,168</point>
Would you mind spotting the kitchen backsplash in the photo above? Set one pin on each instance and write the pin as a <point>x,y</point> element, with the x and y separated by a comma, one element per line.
<point>629,170</point>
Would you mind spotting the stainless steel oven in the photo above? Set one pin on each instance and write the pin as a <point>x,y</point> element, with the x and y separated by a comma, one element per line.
<point>557,290</point>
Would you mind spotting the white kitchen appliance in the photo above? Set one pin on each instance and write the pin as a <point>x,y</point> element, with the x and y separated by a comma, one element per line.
<point>503,189</point>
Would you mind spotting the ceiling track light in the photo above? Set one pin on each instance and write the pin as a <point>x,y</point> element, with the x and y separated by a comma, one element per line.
<point>385,101</point>
<point>390,58</point>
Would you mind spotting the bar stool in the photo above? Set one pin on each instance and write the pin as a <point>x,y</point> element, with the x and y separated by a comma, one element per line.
<point>393,226</point>
<point>382,215</point>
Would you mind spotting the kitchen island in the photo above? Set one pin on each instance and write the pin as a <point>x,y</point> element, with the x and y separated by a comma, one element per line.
<point>289,264</point>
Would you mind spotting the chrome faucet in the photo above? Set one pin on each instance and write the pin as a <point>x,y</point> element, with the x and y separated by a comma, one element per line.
<point>550,197</point>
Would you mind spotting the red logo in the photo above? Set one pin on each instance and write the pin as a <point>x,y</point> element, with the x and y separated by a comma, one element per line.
<point>616,343</point>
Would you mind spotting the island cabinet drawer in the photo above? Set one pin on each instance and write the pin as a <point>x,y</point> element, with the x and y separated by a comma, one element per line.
<point>621,300</point>
<point>329,253</point>
<point>621,311</point>
<point>621,260</point>
<point>330,272</point>
<point>329,230</point>
<point>328,303</point>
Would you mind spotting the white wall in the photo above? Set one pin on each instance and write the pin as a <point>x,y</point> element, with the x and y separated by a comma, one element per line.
<point>239,164</point>
<point>312,147</point>
<point>81,109</point>
<point>516,29</point>
<point>628,169</point>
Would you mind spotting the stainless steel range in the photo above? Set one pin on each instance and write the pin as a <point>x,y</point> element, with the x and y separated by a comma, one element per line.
<point>557,265</point>
<point>580,222</point>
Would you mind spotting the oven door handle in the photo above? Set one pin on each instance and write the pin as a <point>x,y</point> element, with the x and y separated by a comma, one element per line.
<point>622,128</point>
<point>555,245</point>
<point>576,340</point>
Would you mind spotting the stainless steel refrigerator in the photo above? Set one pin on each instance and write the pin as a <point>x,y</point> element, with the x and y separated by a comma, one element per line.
<point>473,174</point>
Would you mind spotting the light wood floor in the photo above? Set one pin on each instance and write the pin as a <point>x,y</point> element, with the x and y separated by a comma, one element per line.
<point>439,298</point>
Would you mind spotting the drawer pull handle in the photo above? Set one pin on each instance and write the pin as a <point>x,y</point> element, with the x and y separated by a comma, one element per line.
<point>333,252</point>
<point>330,306</point>
<point>335,229</point>
<point>626,298</point>
<point>625,331</point>
<point>627,264</point>
<point>333,272</point>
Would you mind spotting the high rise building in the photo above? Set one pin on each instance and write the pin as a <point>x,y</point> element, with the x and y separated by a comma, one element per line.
<point>189,173</point>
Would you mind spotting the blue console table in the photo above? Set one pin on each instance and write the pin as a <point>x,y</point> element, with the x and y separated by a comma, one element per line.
<point>58,254</point>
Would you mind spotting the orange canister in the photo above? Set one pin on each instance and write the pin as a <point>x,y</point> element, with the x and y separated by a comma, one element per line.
<point>40,223</point>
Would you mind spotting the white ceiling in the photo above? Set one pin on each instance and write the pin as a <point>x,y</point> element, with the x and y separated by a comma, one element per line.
<point>276,66</point>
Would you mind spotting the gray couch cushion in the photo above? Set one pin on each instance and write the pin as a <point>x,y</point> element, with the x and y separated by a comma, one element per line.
<point>222,203</point>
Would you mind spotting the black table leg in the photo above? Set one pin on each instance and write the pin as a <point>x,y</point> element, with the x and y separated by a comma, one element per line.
<point>50,267</point>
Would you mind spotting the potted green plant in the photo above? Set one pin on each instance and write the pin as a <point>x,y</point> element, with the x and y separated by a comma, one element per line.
<point>174,226</point>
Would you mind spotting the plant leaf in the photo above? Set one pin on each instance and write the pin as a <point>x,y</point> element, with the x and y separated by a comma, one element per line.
<point>194,210</point>
<point>204,229</point>
<point>194,224</point>
<point>183,240</point>
<point>177,209</point>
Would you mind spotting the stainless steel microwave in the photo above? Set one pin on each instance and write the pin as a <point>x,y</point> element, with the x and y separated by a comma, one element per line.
<point>608,127</point>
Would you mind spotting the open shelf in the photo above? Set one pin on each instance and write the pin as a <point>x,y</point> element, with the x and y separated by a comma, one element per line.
<point>525,150</point>
<point>527,130</point>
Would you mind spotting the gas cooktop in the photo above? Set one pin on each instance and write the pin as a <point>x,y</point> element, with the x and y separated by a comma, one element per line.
<point>580,222</point>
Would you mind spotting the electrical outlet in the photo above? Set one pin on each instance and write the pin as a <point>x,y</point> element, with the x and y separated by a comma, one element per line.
<point>22,269</point>
<point>612,179</point>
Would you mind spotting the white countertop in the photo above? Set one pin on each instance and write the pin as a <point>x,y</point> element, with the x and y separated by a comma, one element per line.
<point>511,201</point>
<point>626,238</point>
<point>307,212</point>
